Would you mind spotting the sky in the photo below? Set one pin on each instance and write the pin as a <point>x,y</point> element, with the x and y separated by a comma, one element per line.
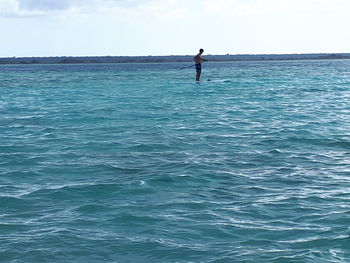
<point>172,27</point>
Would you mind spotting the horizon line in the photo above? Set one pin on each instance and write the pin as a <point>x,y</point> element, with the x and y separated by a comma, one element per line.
<point>227,54</point>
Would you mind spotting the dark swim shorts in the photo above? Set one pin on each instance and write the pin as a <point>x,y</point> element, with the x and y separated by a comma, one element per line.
<point>198,67</point>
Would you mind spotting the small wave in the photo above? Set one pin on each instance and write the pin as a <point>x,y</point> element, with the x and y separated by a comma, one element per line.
<point>10,204</point>
<point>344,144</point>
<point>150,147</point>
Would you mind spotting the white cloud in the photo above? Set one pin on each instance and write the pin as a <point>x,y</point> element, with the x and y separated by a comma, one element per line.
<point>47,7</point>
<point>273,7</point>
<point>44,4</point>
<point>181,8</point>
<point>8,7</point>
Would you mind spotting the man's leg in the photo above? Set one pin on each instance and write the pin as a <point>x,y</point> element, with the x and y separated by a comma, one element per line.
<point>198,75</point>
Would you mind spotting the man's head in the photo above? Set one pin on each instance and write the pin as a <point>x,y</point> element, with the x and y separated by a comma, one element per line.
<point>201,50</point>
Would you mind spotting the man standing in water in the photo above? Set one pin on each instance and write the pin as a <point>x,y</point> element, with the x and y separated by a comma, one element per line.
<point>198,60</point>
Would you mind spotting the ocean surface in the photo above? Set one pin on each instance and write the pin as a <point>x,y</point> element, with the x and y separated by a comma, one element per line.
<point>139,163</point>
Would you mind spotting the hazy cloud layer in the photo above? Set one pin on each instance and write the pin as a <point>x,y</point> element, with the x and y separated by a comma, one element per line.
<point>218,7</point>
<point>42,7</point>
<point>44,4</point>
<point>47,5</point>
<point>143,27</point>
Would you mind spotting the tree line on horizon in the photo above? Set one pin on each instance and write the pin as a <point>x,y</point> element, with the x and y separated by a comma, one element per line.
<point>173,58</point>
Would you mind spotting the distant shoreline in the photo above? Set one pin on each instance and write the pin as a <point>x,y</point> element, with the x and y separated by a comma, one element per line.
<point>175,58</point>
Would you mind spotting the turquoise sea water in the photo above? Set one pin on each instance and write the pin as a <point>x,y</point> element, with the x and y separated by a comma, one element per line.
<point>138,163</point>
